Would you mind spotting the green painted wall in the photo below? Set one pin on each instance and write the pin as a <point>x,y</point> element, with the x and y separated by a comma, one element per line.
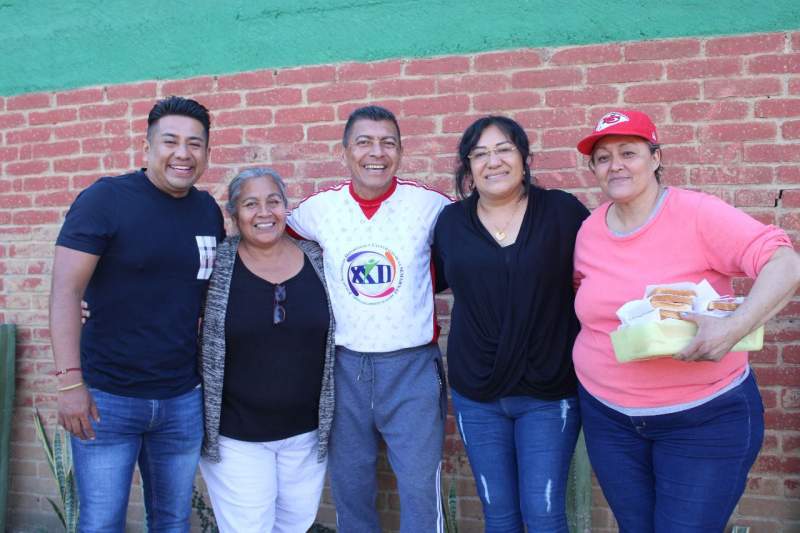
<point>60,44</point>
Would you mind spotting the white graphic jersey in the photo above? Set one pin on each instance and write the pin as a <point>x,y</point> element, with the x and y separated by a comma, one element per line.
<point>377,256</point>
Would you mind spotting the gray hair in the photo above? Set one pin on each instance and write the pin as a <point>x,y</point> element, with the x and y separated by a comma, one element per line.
<point>235,186</point>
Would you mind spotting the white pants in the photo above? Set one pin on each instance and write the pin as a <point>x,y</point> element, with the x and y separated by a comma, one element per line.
<point>263,487</point>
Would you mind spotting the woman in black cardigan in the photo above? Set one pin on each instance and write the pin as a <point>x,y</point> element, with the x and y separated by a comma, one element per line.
<point>505,250</point>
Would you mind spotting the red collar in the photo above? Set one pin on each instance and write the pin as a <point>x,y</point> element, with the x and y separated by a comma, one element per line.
<point>370,206</point>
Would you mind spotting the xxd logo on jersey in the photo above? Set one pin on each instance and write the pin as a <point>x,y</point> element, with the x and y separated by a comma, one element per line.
<point>372,273</point>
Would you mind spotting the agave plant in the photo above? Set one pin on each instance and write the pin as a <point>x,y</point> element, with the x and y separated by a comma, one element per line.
<point>449,508</point>
<point>59,458</point>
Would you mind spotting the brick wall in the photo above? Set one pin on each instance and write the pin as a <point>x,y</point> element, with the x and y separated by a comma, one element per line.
<point>728,110</point>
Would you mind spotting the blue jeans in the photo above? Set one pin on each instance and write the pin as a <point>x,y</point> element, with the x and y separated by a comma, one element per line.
<point>679,472</point>
<point>520,449</point>
<point>164,436</point>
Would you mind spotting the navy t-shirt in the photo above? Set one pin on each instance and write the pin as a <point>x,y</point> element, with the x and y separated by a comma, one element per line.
<point>146,293</point>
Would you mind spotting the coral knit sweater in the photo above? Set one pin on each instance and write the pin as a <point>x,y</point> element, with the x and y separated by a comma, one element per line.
<point>694,236</point>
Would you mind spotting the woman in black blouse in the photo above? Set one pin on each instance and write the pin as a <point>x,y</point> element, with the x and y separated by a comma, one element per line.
<point>267,355</point>
<point>505,250</point>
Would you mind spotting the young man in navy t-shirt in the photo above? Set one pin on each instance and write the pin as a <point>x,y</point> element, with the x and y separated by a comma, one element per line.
<point>139,248</point>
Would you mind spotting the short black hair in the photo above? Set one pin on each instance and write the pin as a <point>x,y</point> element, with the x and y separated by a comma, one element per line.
<point>177,105</point>
<point>515,133</point>
<point>374,113</point>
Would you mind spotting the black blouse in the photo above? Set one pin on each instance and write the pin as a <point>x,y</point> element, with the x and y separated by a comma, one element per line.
<point>513,322</point>
<point>273,373</point>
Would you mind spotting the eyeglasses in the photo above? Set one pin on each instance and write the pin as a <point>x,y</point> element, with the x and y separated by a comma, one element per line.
<point>481,155</point>
<point>278,311</point>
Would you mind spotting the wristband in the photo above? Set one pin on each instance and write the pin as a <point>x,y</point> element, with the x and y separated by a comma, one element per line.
<point>71,387</point>
<point>71,369</point>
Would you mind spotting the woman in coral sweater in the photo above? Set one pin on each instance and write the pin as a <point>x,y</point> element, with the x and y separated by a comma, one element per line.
<point>671,439</point>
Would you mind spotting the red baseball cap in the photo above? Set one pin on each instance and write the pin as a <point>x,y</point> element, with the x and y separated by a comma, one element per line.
<point>622,122</point>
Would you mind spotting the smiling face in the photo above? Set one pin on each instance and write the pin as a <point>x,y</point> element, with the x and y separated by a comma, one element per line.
<point>624,167</point>
<point>260,212</point>
<point>177,154</point>
<point>373,156</point>
<point>496,166</point>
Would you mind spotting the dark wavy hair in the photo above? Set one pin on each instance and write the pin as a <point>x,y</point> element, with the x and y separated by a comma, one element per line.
<point>178,105</point>
<point>374,113</point>
<point>472,135</point>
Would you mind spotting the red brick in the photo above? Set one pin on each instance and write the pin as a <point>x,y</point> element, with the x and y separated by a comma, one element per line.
<point>11,120</point>
<point>778,107</point>
<point>772,153</point>
<point>708,111</point>
<point>558,180</point>
<point>507,60</point>
<point>44,184</point>
<point>337,92</point>
<point>279,96</point>
<point>133,91</point>
<point>492,103</point>
<point>324,169</point>
<point>232,154</point>
<point>27,168</point>
<point>243,117</point>
<point>624,73</point>
<point>791,354</point>
<point>436,105</point>
<point>581,55</point>
<point>246,80</point>
<point>105,144</point>
<point>742,87</point>
<point>662,92</point>
<point>437,65</point>
<point>789,174</point>
<point>790,398</point>
<point>37,216</point>
<point>704,68</point>
<point>733,174</point>
<point>306,75</point>
<point>192,86</point>
<point>369,71</point>
<point>218,101</point>
<point>275,134</point>
<point>8,153</point>
<point>325,132</point>
<point>80,96</point>
<point>89,112</point>
<point>755,198</point>
<point>78,164</point>
<point>715,154</point>
<point>738,131</point>
<point>401,87</point>
<point>56,149</point>
<point>227,136</point>
<point>794,86</point>
<point>790,198</point>
<point>779,420</point>
<point>122,127</point>
<point>56,199</point>
<point>472,83</point>
<point>550,77</point>
<point>582,97</point>
<point>79,130</point>
<point>301,115</point>
<point>672,49</point>
<point>343,110</point>
<point>118,161</point>
<point>745,44</point>
<point>791,129</point>
<point>554,159</point>
<point>290,152</point>
<point>15,201</point>
<point>31,135</point>
<point>425,145</point>
<point>551,118</point>
<point>28,101</point>
<point>774,64</point>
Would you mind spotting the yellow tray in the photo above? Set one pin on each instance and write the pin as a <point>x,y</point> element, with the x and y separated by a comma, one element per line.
<point>667,337</point>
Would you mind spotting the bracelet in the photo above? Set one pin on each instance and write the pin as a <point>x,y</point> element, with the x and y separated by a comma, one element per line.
<point>71,369</point>
<point>71,387</point>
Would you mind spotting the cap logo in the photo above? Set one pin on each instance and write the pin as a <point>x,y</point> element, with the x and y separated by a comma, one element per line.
<point>611,119</point>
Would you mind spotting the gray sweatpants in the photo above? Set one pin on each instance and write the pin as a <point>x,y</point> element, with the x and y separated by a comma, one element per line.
<point>401,397</point>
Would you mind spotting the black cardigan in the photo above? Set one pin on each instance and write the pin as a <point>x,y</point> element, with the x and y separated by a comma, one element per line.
<point>513,322</point>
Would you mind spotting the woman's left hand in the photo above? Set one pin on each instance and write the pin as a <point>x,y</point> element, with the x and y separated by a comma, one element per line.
<point>715,337</point>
